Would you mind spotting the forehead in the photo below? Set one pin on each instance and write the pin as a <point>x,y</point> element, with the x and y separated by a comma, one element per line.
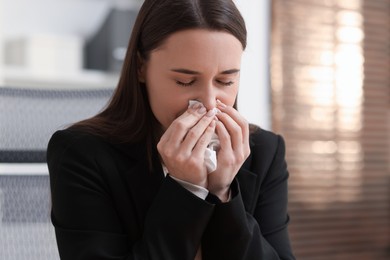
<point>199,49</point>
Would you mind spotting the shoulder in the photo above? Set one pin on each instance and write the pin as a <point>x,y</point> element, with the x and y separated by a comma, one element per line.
<point>83,145</point>
<point>69,147</point>
<point>267,148</point>
<point>82,157</point>
<point>63,140</point>
<point>67,137</point>
<point>265,140</point>
<point>265,163</point>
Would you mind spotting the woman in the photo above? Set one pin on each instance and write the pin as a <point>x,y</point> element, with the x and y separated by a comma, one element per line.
<point>132,182</point>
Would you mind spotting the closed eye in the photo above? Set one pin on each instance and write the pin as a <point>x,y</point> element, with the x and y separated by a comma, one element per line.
<point>185,84</point>
<point>229,83</point>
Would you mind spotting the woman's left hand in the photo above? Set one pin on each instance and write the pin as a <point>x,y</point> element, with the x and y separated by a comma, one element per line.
<point>233,133</point>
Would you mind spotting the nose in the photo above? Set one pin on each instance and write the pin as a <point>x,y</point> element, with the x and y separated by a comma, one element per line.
<point>209,98</point>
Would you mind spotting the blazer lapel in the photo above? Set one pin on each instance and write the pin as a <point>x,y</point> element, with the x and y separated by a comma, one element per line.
<point>247,181</point>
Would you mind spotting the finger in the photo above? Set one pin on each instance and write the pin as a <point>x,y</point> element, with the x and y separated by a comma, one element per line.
<point>237,117</point>
<point>181,125</point>
<point>204,140</point>
<point>223,136</point>
<point>195,133</point>
<point>234,130</point>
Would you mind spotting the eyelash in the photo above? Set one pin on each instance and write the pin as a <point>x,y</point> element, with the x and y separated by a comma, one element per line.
<point>184,84</point>
<point>225,83</point>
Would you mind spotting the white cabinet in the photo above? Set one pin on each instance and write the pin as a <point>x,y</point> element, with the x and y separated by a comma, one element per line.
<point>42,42</point>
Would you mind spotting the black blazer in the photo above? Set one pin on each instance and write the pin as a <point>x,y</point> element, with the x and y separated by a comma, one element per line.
<point>106,204</point>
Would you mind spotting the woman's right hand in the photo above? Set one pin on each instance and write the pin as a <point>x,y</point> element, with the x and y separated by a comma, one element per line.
<point>182,146</point>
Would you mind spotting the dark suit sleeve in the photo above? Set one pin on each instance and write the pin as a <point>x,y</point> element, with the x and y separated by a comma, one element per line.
<point>86,221</point>
<point>232,233</point>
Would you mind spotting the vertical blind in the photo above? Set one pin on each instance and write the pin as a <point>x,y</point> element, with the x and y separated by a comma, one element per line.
<point>330,78</point>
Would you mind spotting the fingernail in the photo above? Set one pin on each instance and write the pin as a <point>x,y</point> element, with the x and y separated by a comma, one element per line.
<point>220,104</point>
<point>202,110</point>
<point>211,113</point>
<point>212,124</point>
<point>195,106</point>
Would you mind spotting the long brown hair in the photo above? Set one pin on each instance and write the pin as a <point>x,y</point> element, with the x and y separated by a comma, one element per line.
<point>128,117</point>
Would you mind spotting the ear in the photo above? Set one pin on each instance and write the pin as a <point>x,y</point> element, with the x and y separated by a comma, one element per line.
<point>141,70</point>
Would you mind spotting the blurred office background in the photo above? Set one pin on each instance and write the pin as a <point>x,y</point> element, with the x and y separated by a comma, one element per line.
<point>315,71</point>
<point>59,63</point>
<point>330,100</point>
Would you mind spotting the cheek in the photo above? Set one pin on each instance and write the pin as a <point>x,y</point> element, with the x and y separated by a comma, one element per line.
<point>229,97</point>
<point>165,109</point>
<point>170,113</point>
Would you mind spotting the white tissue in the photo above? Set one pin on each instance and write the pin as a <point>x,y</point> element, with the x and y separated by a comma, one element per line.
<point>210,155</point>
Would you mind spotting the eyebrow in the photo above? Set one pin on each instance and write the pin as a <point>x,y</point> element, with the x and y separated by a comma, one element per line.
<point>192,72</point>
